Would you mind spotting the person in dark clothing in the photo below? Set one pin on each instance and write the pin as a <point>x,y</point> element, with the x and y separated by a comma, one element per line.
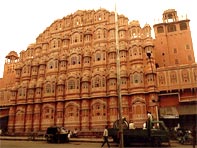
<point>149,122</point>
<point>105,137</point>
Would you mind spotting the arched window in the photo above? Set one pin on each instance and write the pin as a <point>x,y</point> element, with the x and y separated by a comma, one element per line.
<point>123,54</point>
<point>48,88</point>
<point>112,34</point>
<point>20,92</point>
<point>104,33</point>
<point>73,60</point>
<point>75,39</point>
<point>112,55</point>
<point>97,82</point>
<point>54,43</point>
<point>133,33</point>
<point>86,59</point>
<point>135,51</point>
<point>30,92</point>
<point>160,29</point>
<point>72,111</point>
<point>122,34</point>
<point>99,34</point>
<point>171,28</point>
<point>138,109</point>
<point>85,85</point>
<point>123,81</point>
<point>71,84</point>
<point>50,65</point>
<point>112,82</point>
<point>98,56</point>
<point>48,113</point>
<point>63,63</point>
<point>98,110</point>
<point>136,78</point>
<point>25,69</point>
<point>183,26</point>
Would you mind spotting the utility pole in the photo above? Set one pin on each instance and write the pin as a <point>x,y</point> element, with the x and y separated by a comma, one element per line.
<point>118,81</point>
<point>148,53</point>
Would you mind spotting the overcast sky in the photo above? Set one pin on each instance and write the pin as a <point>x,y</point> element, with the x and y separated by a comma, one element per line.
<point>23,20</point>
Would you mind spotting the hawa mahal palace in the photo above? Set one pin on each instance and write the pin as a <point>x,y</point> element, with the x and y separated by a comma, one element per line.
<point>68,77</point>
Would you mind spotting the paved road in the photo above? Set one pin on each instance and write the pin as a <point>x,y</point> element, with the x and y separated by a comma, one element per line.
<point>43,144</point>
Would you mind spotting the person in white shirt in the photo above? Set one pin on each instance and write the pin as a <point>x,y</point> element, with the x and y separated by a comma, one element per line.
<point>150,117</point>
<point>131,125</point>
<point>105,137</point>
<point>144,125</point>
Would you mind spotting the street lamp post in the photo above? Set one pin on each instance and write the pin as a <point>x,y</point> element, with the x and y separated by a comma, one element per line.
<point>148,53</point>
<point>118,82</point>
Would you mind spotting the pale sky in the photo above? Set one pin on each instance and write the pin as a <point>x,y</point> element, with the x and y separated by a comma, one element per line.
<point>23,20</point>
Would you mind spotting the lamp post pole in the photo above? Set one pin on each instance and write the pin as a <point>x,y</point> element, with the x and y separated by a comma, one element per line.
<point>118,82</point>
<point>157,112</point>
<point>148,53</point>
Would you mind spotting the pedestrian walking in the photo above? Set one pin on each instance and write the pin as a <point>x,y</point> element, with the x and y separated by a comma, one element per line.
<point>105,137</point>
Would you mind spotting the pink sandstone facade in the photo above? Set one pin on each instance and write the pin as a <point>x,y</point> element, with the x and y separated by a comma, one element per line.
<point>68,77</point>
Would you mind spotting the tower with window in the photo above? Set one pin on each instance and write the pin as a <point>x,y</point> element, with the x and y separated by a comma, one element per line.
<point>173,41</point>
<point>9,68</point>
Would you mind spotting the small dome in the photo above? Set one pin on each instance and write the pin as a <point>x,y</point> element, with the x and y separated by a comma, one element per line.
<point>134,23</point>
<point>12,54</point>
<point>146,25</point>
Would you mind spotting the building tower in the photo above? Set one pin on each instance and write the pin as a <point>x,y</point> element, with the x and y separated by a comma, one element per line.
<point>173,42</point>
<point>9,69</point>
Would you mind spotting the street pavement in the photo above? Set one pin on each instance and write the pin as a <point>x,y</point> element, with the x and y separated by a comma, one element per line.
<point>26,142</point>
<point>42,138</point>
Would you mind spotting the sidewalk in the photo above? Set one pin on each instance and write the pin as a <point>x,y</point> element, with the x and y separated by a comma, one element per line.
<point>95,140</point>
<point>89,140</point>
